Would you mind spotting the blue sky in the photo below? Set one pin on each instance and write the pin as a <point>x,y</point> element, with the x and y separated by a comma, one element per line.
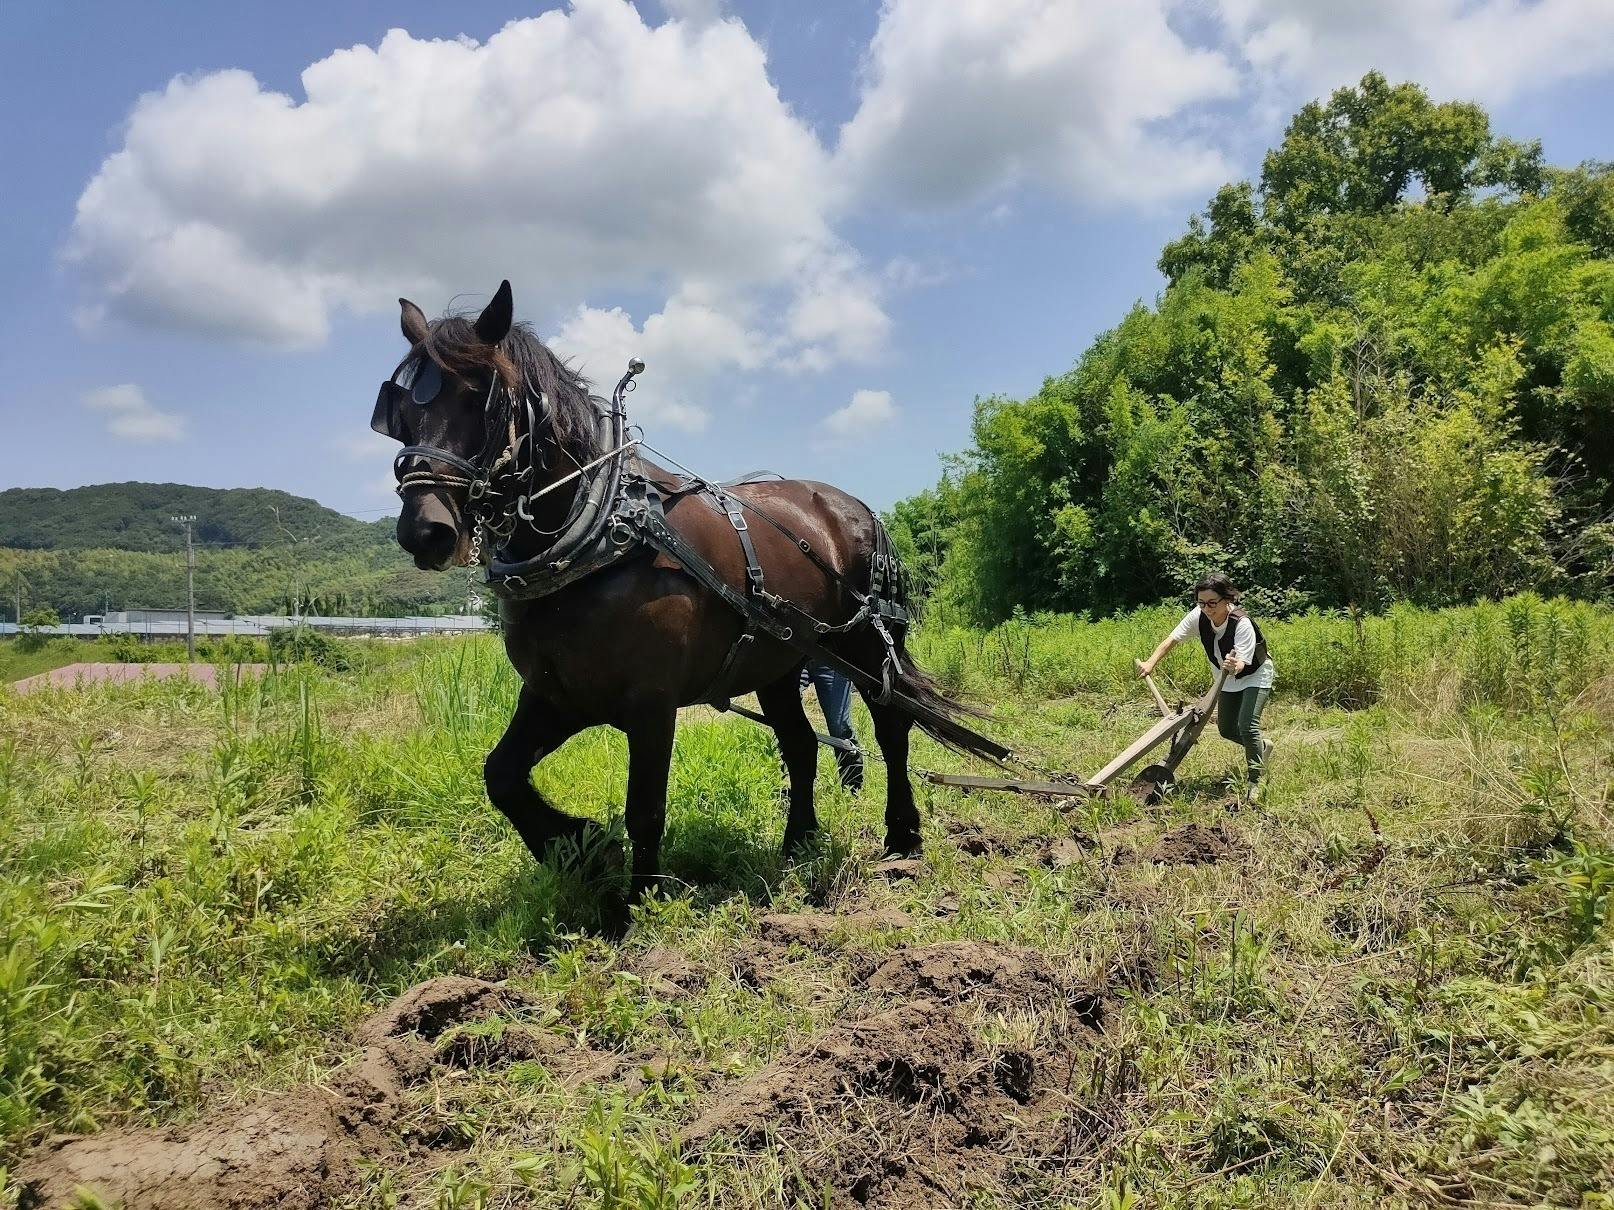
<point>828,228</point>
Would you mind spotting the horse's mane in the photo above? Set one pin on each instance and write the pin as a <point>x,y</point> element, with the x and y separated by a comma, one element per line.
<point>527,366</point>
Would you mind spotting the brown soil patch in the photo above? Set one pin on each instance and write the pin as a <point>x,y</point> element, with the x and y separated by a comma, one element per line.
<point>977,841</point>
<point>909,1107</point>
<point>76,675</point>
<point>668,972</point>
<point>1191,844</point>
<point>1055,852</point>
<point>1004,976</point>
<point>904,1108</point>
<point>297,1149</point>
<point>818,929</point>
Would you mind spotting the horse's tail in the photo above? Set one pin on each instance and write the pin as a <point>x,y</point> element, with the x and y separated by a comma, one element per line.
<point>938,715</point>
<point>941,718</point>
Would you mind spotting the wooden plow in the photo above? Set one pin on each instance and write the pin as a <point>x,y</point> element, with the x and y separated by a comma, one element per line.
<point>1179,728</point>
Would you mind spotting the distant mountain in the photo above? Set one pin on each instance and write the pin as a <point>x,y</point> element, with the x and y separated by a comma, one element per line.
<point>113,546</point>
<point>135,516</point>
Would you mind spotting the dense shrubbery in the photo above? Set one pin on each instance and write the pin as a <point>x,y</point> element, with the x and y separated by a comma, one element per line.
<point>1386,373</point>
<point>302,644</point>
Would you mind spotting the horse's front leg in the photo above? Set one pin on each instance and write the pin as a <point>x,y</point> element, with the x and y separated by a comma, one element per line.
<point>798,746</point>
<point>535,731</point>
<point>650,746</point>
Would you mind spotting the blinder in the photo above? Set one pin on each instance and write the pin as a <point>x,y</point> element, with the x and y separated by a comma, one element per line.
<point>422,383</point>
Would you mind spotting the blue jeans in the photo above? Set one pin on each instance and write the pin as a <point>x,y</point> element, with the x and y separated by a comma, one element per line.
<point>834,697</point>
<point>835,700</point>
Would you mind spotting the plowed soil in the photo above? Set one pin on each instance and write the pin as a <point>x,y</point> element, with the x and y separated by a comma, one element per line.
<point>297,1149</point>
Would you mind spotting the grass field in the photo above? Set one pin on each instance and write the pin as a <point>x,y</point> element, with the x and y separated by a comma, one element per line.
<point>1390,985</point>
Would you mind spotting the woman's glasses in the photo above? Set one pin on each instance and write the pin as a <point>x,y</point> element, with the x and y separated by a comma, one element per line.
<point>1207,602</point>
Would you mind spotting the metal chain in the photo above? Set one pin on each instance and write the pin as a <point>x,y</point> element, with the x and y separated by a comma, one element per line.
<point>473,596</point>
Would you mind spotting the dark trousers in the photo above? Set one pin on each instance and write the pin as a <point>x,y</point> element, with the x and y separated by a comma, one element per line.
<point>1238,718</point>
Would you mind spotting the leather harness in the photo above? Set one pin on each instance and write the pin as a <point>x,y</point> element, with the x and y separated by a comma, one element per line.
<point>619,511</point>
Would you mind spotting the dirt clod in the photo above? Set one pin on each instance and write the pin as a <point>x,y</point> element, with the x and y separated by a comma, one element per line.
<point>814,929</point>
<point>1191,844</point>
<point>903,1108</point>
<point>431,1007</point>
<point>668,973</point>
<point>954,970</point>
<point>297,1149</point>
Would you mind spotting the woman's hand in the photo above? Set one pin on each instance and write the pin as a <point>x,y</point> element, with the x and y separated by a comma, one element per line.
<point>1232,664</point>
<point>1145,667</point>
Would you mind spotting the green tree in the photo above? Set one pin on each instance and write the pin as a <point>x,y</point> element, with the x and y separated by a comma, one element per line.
<point>1384,372</point>
<point>1362,151</point>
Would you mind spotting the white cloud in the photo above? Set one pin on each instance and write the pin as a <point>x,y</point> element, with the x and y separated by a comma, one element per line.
<point>905,273</point>
<point>1488,50</point>
<point>580,153</point>
<point>703,342</point>
<point>131,416</point>
<point>967,98</point>
<point>868,412</point>
<point>683,346</point>
<point>364,447</point>
<point>695,12</point>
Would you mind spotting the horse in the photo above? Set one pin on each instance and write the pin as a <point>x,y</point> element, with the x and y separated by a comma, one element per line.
<point>484,409</point>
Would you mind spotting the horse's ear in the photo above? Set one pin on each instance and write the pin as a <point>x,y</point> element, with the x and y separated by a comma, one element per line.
<point>493,325</point>
<point>412,321</point>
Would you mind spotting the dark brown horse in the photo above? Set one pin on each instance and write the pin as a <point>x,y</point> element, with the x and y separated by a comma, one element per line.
<point>630,644</point>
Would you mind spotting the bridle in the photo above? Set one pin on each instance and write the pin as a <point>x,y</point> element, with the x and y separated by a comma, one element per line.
<point>422,390</point>
<point>500,482</point>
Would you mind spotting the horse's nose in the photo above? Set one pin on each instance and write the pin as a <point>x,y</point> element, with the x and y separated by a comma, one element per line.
<point>431,542</point>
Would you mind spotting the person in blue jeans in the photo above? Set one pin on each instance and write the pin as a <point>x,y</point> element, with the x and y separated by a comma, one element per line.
<point>835,700</point>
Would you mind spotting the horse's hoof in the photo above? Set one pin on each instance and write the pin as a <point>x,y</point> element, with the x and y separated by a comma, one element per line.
<point>616,915</point>
<point>902,848</point>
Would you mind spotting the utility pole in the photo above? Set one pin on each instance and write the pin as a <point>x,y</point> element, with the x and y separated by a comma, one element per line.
<point>190,587</point>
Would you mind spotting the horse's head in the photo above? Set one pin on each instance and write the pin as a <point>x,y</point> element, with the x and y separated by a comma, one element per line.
<point>447,404</point>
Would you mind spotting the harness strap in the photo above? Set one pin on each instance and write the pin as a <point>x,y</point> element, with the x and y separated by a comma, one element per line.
<point>717,693</point>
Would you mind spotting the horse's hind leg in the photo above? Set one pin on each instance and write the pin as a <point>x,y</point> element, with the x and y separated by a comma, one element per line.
<point>891,728</point>
<point>533,733</point>
<point>781,706</point>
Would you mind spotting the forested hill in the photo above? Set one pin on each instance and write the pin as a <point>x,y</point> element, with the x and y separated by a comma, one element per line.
<point>1383,371</point>
<point>137,516</point>
<point>114,546</point>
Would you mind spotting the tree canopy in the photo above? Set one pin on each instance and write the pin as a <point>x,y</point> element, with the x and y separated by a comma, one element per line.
<point>1383,371</point>
<point>115,546</point>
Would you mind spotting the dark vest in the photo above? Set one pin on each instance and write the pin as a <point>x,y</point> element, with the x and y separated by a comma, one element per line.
<point>1216,650</point>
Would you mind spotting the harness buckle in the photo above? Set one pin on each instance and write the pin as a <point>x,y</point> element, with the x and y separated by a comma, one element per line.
<point>737,519</point>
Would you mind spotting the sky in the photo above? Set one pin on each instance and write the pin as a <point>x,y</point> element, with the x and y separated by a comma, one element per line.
<point>828,228</point>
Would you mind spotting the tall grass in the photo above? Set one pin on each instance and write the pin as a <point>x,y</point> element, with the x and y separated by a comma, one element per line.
<point>201,887</point>
<point>1520,654</point>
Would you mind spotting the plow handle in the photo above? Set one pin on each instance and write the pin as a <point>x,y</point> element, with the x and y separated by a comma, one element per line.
<point>1148,680</point>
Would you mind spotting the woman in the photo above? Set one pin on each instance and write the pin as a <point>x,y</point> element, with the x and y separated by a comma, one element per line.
<point>1231,641</point>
